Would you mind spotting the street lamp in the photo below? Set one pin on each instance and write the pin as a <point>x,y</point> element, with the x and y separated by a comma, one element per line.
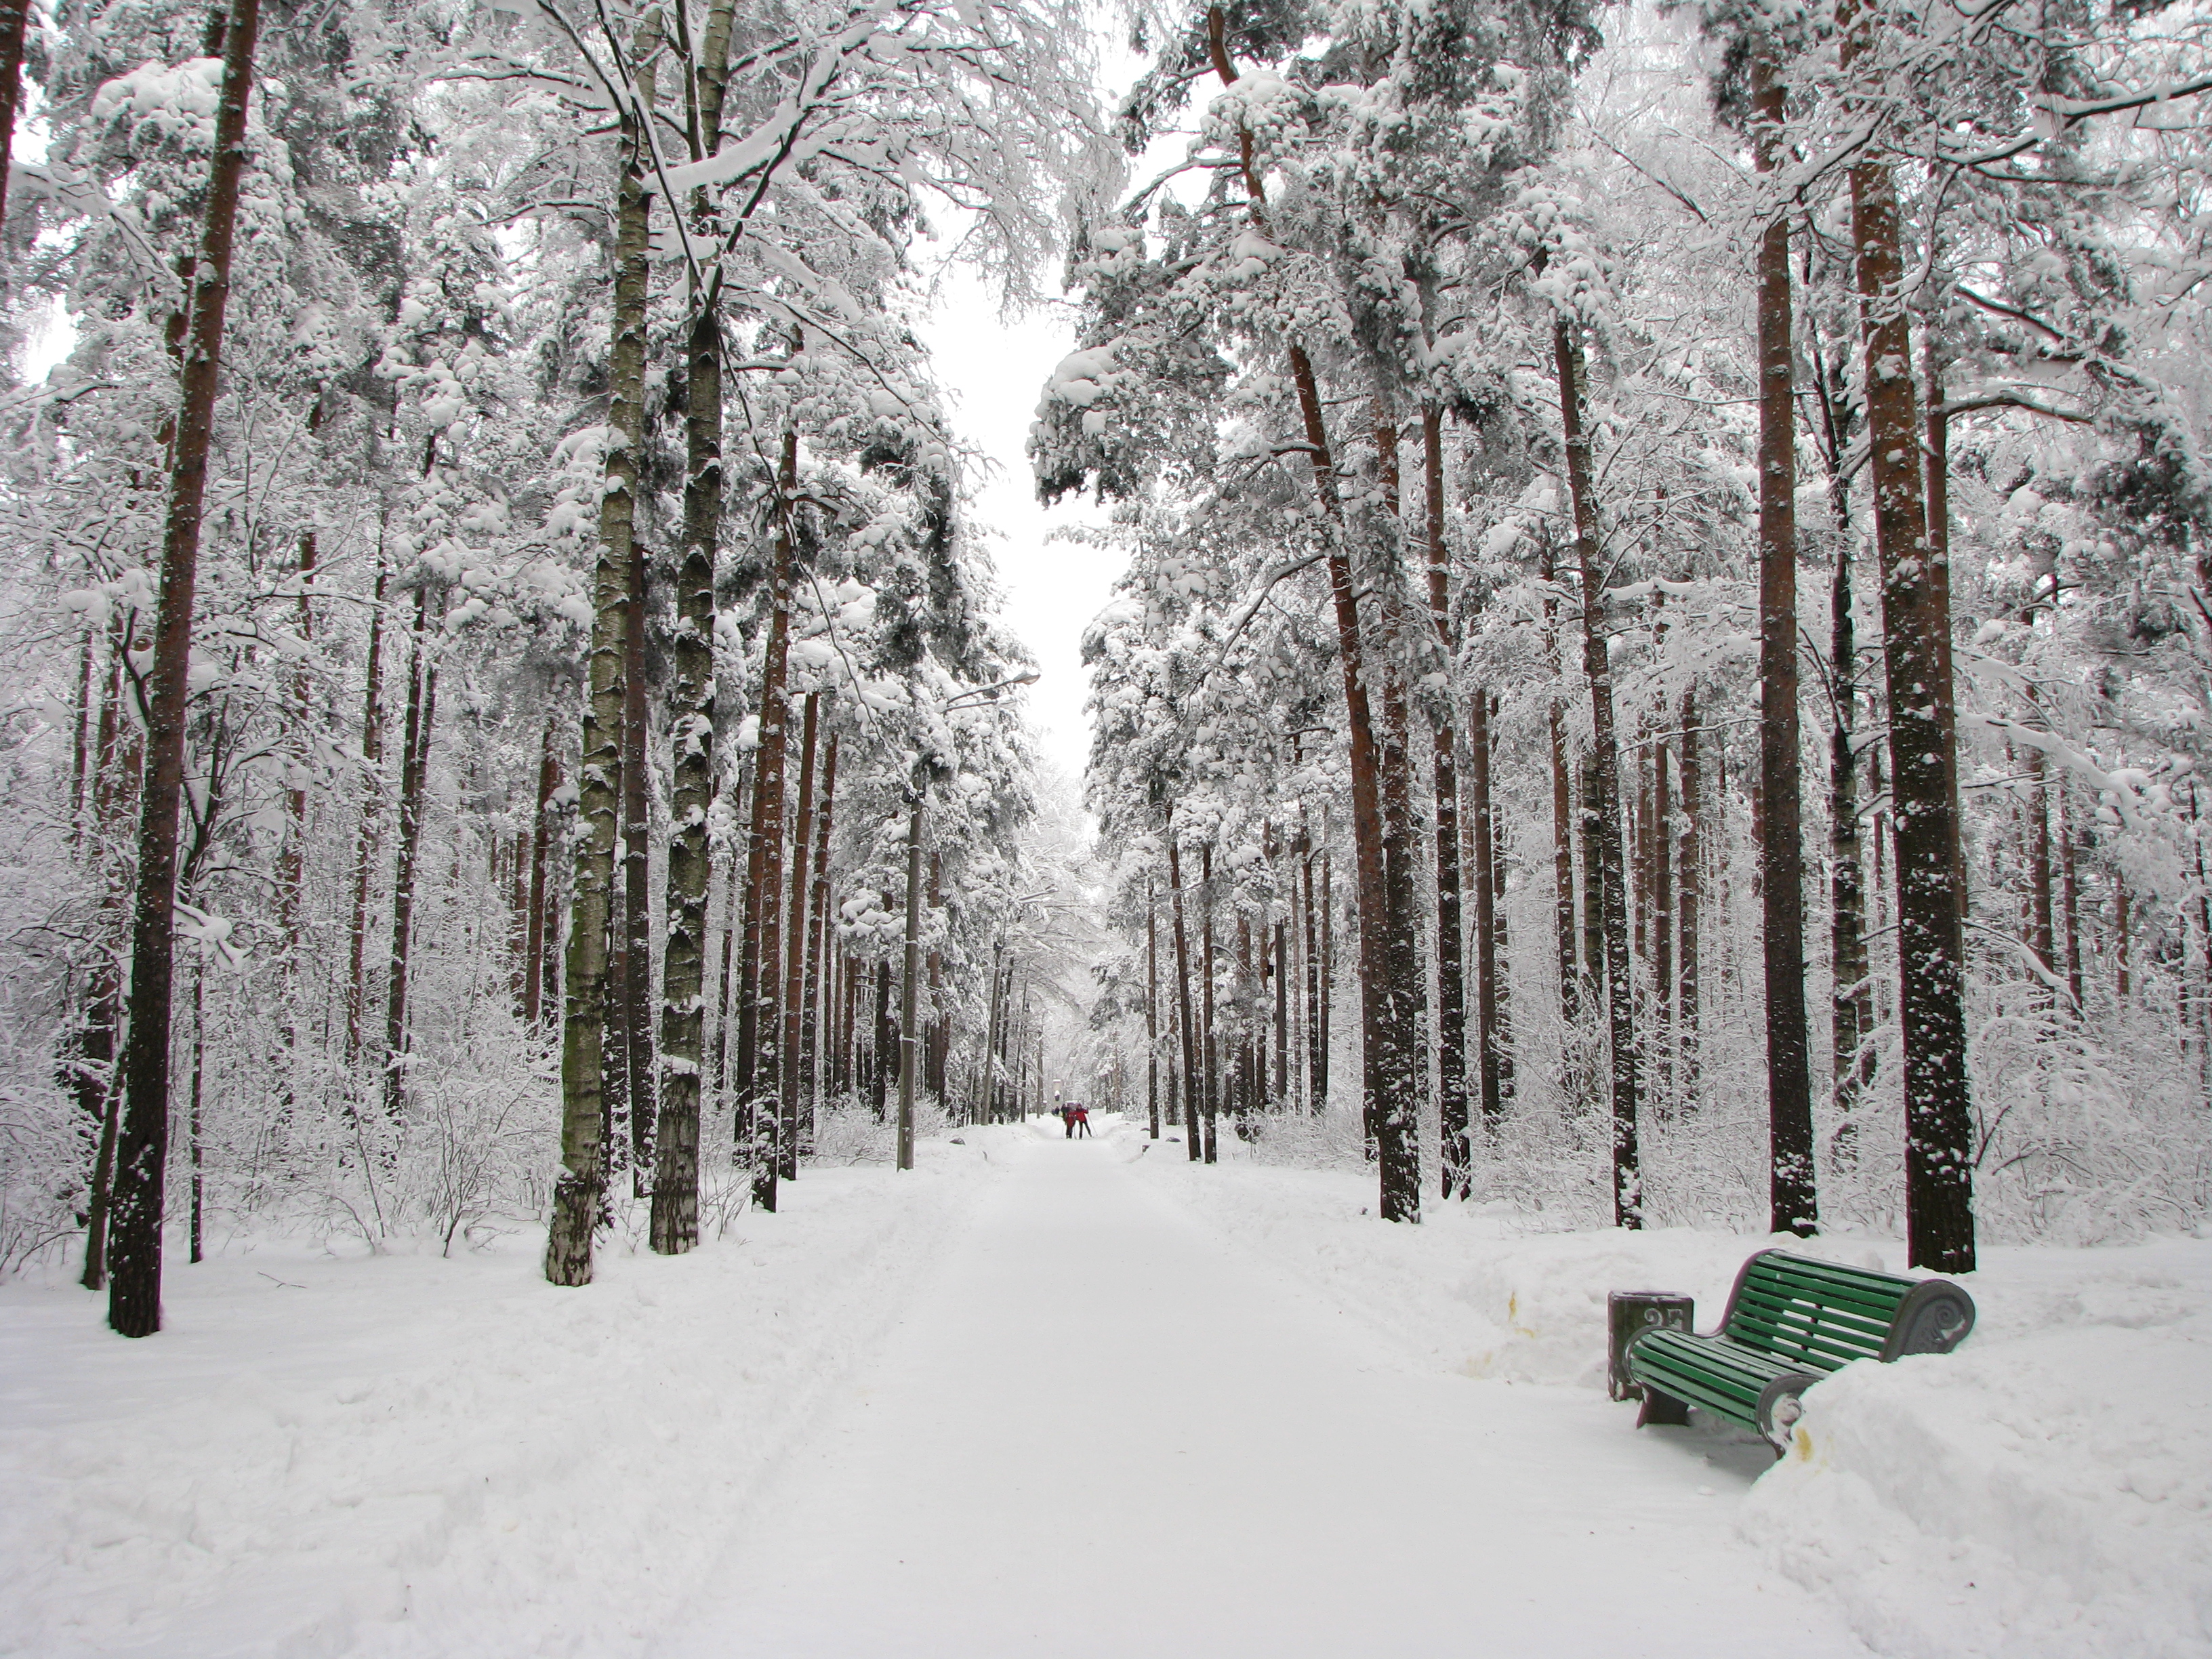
<point>909,994</point>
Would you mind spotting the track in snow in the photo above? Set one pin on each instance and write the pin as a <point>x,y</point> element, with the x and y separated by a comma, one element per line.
<point>1094,1433</point>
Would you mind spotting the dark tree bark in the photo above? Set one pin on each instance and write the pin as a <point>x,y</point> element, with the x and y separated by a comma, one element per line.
<point>1192,1083</point>
<point>15,14</point>
<point>1611,878</point>
<point>414,776</point>
<point>1151,1014</point>
<point>818,946</point>
<point>1451,983</point>
<point>2070,925</point>
<point>2122,991</point>
<point>758,1110</point>
<point>794,969</point>
<point>935,1049</point>
<point>1394,1069</point>
<point>534,967</point>
<point>1916,659</point>
<point>113,790</point>
<point>880,1048</point>
<point>1562,810</point>
<point>365,836</point>
<point>1792,1205</point>
<point>577,1193</point>
<point>1209,1051</point>
<point>134,1306</point>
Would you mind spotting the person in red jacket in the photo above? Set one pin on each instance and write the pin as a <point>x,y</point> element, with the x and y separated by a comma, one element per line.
<point>1083,1122</point>
<point>1067,1116</point>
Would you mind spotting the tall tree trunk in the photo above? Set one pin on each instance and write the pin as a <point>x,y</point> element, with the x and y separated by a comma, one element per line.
<point>820,940</point>
<point>1611,877</point>
<point>879,1048</point>
<point>1851,1017</point>
<point>1317,1021</point>
<point>936,1050</point>
<point>1209,1049</point>
<point>2122,991</point>
<point>675,1219</point>
<point>1152,1014</point>
<point>2070,926</point>
<point>1792,1205</point>
<point>365,836</point>
<point>414,775</point>
<point>134,1307</point>
<point>1500,991</point>
<point>15,15</point>
<point>759,1110</point>
<point>113,790</point>
<point>1192,1082</point>
<point>1451,985</point>
<point>1328,956</point>
<point>795,967</point>
<point>1395,1070</point>
<point>1663,907</point>
<point>577,1193</point>
<point>1491,1067</point>
<point>1690,890</point>
<point>2042,933</point>
<point>1916,649</point>
<point>987,1109</point>
<point>291,866</point>
<point>541,833</point>
<point>1562,810</point>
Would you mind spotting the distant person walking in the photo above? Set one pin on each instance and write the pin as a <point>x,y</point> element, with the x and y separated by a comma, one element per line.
<point>1083,1122</point>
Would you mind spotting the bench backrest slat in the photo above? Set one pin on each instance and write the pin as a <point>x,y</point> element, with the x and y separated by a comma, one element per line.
<point>1819,1313</point>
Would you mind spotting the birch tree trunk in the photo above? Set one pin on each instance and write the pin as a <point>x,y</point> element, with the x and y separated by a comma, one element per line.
<point>675,1223</point>
<point>577,1193</point>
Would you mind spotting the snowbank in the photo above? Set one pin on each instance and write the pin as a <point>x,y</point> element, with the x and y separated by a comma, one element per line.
<point>2045,1492</point>
<point>324,1455</point>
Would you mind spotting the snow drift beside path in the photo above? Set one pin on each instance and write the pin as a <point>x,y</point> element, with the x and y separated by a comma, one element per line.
<point>2046,1492</point>
<point>405,1454</point>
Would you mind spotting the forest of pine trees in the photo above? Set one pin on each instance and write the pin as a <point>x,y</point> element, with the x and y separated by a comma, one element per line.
<point>1667,590</point>
<point>491,588</point>
<point>1658,677</point>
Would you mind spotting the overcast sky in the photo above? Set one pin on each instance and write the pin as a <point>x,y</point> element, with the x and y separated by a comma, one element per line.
<point>995,369</point>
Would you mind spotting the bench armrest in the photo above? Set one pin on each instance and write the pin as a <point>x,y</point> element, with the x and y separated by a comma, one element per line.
<point>1933,1317</point>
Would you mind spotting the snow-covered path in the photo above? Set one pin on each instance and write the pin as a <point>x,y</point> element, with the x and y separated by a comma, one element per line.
<point>1094,1432</point>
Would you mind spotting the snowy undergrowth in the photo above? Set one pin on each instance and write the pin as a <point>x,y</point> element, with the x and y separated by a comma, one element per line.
<point>328,1453</point>
<point>2046,1492</point>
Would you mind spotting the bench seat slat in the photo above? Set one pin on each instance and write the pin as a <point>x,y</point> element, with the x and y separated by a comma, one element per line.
<point>1783,1294</point>
<point>1809,1341</point>
<point>1843,1298</point>
<point>1714,1373</point>
<point>1850,1285</point>
<point>1811,1316</point>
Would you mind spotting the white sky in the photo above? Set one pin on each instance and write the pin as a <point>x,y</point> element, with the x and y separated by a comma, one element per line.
<point>995,369</point>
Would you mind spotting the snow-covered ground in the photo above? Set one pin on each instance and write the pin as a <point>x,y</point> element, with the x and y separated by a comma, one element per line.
<point>1039,1398</point>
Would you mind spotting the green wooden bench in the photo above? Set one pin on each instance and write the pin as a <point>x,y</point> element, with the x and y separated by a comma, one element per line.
<point>1791,1322</point>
